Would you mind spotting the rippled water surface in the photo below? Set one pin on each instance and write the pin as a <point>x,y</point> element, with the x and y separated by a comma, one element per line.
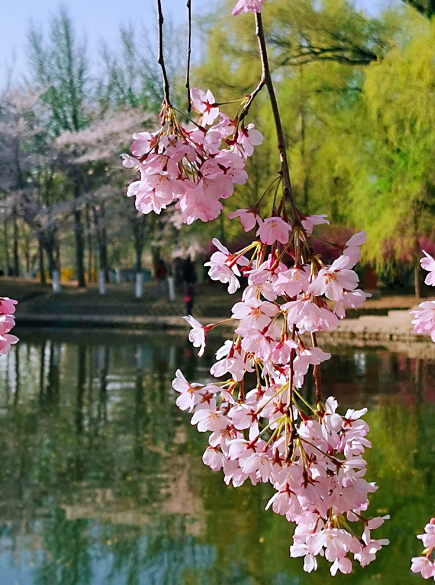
<point>102,483</point>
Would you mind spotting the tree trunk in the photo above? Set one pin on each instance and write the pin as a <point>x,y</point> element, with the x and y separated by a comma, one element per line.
<point>27,255</point>
<point>90,244</point>
<point>49,248</point>
<point>139,224</point>
<point>104,264</point>
<point>155,254</point>
<point>58,267</point>
<point>417,269</point>
<point>6,243</point>
<point>78,233</point>
<point>138,250</point>
<point>100,228</point>
<point>16,256</point>
<point>416,259</point>
<point>41,261</point>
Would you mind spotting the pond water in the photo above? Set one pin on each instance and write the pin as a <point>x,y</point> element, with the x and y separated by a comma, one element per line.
<point>102,483</point>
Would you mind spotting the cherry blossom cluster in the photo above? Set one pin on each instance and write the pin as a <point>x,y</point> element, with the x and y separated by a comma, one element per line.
<point>424,324</point>
<point>262,428</point>
<point>424,564</point>
<point>195,168</point>
<point>7,321</point>
<point>424,317</point>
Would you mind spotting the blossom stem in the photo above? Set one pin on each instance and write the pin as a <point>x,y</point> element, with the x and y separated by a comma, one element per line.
<point>334,460</point>
<point>160,58</point>
<point>303,400</point>
<point>316,373</point>
<point>272,397</point>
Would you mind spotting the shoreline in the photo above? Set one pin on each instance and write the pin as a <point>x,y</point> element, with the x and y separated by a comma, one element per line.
<point>395,326</point>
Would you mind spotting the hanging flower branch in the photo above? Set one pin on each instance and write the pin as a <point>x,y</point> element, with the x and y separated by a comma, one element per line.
<point>424,324</point>
<point>262,427</point>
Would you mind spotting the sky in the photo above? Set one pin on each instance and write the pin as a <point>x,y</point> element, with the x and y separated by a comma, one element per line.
<point>96,18</point>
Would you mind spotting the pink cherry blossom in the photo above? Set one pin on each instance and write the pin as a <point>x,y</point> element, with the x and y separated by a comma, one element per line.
<point>248,218</point>
<point>248,138</point>
<point>186,400</point>
<point>333,282</point>
<point>423,564</point>
<point>254,314</point>
<point>292,281</point>
<point>142,143</point>
<point>213,458</point>
<point>248,6</point>
<point>204,104</point>
<point>424,319</point>
<point>197,334</point>
<point>428,264</point>
<point>7,306</point>
<point>6,341</point>
<point>7,322</point>
<point>352,252</point>
<point>310,221</point>
<point>197,204</point>
<point>224,267</point>
<point>428,538</point>
<point>274,229</point>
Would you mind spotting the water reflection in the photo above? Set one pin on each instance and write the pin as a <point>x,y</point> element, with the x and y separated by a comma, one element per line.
<point>102,481</point>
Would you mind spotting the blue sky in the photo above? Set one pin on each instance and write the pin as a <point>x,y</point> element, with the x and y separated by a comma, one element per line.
<point>96,18</point>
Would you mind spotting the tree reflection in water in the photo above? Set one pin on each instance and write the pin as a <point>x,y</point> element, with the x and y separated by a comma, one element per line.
<point>102,481</point>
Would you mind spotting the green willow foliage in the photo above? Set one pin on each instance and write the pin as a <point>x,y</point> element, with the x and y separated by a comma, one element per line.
<point>357,106</point>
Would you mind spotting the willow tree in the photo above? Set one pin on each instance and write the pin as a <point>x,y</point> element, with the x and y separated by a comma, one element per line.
<point>319,56</point>
<point>394,179</point>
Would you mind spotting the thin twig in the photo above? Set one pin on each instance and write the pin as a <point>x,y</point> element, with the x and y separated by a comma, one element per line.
<point>286,183</point>
<point>252,96</point>
<point>316,373</point>
<point>189,52</point>
<point>160,58</point>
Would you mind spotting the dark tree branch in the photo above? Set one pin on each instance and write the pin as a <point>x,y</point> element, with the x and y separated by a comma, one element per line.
<point>350,55</point>
<point>426,9</point>
<point>266,76</point>
<point>160,58</point>
<point>189,52</point>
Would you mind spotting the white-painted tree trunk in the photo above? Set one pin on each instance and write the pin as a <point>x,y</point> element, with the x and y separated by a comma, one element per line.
<point>101,282</point>
<point>171,288</point>
<point>139,285</point>
<point>56,282</point>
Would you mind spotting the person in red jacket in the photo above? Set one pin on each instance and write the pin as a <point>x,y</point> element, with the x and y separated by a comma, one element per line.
<point>161,277</point>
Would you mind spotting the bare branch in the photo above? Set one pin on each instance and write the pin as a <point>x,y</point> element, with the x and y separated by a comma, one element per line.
<point>189,52</point>
<point>286,183</point>
<point>161,59</point>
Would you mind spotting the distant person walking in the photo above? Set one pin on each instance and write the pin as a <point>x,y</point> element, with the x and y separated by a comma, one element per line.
<point>161,277</point>
<point>189,277</point>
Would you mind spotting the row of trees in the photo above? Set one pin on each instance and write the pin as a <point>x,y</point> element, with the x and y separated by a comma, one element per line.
<point>359,118</point>
<point>61,134</point>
